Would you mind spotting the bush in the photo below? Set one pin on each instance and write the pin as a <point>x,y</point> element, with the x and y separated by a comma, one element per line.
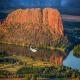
<point>76,51</point>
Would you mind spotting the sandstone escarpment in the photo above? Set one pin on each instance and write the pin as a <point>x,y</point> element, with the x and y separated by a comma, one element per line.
<point>40,16</point>
<point>34,26</point>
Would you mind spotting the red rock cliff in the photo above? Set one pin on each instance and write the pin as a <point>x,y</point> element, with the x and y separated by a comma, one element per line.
<point>36,22</point>
<point>47,16</point>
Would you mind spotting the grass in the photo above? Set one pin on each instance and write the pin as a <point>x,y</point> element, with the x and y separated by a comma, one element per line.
<point>32,62</point>
<point>17,44</point>
<point>10,67</point>
<point>13,68</point>
<point>50,47</point>
<point>26,61</point>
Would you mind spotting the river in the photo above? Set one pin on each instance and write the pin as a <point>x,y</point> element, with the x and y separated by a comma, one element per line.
<point>72,61</point>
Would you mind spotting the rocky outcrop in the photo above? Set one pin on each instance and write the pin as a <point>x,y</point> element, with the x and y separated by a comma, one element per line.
<point>47,16</point>
<point>53,19</point>
<point>34,26</point>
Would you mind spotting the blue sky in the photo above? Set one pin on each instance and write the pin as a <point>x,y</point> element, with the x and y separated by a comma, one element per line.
<point>28,3</point>
<point>67,7</point>
<point>70,7</point>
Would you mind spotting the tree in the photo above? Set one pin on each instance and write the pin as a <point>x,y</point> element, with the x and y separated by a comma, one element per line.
<point>34,77</point>
<point>27,77</point>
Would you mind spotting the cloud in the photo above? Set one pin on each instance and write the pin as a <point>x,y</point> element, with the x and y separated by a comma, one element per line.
<point>71,18</point>
<point>7,11</point>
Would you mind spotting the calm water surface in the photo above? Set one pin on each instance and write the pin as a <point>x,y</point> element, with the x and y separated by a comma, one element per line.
<point>72,61</point>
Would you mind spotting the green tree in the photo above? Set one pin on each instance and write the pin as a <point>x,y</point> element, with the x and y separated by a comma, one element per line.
<point>34,77</point>
<point>27,77</point>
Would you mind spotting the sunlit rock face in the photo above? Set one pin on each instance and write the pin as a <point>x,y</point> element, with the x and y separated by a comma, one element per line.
<point>48,16</point>
<point>34,26</point>
<point>53,18</point>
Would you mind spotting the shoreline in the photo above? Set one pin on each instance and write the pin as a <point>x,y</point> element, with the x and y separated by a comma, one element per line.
<point>23,45</point>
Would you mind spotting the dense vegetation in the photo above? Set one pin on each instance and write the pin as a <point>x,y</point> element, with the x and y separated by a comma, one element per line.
<point>8,60</point>
<point>25,68</point>
<point>3,54</point>
<point>5,74</point>
<point>49,72</point>
<point>41,72</point>
<point>76,51</point>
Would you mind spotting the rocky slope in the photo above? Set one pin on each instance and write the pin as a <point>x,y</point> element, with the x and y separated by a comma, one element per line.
<point>34,26</point>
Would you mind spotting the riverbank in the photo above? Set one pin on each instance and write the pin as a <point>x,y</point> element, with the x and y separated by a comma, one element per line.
<point>72,61</point>
<point>29,65</point>
<point>76,51</point>
<point>63,49</point>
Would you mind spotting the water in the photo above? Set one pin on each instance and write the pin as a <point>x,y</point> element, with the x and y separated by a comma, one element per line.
<point>7,60</point>
<point>72,61</point>
<point>42,54</point>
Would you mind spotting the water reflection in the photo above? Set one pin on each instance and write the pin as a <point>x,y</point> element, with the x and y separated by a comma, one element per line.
<point>41,54</point>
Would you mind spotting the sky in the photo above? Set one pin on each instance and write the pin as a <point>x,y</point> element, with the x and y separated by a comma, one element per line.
<point>71,7</point>
<point>66,7</point>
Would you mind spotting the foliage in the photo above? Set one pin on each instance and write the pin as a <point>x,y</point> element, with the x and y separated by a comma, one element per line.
<point>76,51</point>
<point>27,77</point>
<point>43,72</point>
<point>8,60</point>
<point>3,54</point>
<point>4,73</point>
<point>48,72</point>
